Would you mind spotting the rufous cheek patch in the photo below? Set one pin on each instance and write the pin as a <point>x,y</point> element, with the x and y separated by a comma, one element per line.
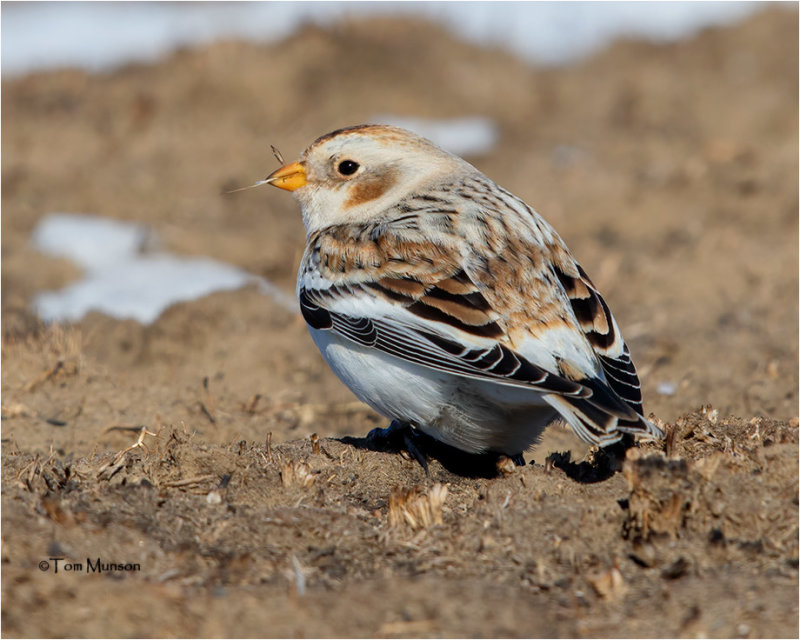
<point>369,188</point>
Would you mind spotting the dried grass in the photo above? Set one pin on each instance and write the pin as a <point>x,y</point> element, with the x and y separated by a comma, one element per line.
<point>416,507</point>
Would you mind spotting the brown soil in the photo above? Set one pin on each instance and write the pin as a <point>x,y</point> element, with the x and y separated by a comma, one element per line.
<point>671,171</point>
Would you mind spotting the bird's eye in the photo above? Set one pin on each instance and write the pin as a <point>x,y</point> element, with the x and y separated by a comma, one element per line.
<point>347,167</point>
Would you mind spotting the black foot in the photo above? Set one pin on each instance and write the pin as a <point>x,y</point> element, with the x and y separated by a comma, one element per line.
<point>396,437</point>
<point>605,463</point>
<point>616,452</point>
<point>400,436</point>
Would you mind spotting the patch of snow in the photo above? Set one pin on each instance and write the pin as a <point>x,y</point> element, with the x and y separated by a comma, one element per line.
<point>103,35</point>
<point>122,278</point>
<point>461,136</point>
<point>666,388</point>
<point>89,241</point>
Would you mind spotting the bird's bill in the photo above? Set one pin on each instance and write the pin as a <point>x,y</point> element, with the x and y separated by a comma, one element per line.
<point>290,177</point>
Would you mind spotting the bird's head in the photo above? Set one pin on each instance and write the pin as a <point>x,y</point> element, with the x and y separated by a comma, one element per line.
<point>356,174</point>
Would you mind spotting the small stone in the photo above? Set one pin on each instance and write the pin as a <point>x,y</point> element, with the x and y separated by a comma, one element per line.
<point>505,466</point>
<point>609,585</point>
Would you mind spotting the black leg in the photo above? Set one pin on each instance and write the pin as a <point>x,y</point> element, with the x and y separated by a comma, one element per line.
<point>397,436</point>
<point>604,464</point>
<point>400,436</point>
<point>614,455</point>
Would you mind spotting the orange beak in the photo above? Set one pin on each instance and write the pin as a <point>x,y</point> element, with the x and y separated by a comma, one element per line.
<point>290,177</point>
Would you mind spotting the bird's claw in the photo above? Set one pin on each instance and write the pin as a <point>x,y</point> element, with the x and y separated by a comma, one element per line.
<point>398,436</point>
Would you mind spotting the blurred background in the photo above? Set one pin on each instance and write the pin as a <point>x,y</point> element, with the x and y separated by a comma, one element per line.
<point>103,35</point>
<point>658,138</point>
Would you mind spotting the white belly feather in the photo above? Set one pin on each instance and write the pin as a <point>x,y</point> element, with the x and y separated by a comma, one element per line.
<point>470,414</point>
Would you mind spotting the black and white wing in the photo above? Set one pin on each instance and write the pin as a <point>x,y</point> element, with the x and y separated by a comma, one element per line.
<point>445,322</point>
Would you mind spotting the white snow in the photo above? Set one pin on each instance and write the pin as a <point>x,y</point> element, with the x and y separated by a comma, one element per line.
<point>122,278</point>
<point>462,136</point>
<point>666,388</point>
<point>89,241</point>
<point>103,35</point>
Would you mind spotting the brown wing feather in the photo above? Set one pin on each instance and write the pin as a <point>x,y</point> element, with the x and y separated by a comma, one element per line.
<point>597,324</point>
<point>452,299</point>
<point>419,275</point>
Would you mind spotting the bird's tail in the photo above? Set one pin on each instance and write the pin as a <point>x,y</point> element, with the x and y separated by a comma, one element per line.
<point>602,418</point>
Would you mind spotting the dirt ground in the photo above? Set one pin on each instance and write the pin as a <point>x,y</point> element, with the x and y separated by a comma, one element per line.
<point>672,173</point>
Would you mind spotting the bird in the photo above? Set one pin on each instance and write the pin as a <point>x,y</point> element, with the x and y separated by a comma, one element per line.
<point>449,305</point>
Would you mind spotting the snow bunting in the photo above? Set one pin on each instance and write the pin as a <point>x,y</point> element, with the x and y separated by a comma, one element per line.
<point>447,304</point>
